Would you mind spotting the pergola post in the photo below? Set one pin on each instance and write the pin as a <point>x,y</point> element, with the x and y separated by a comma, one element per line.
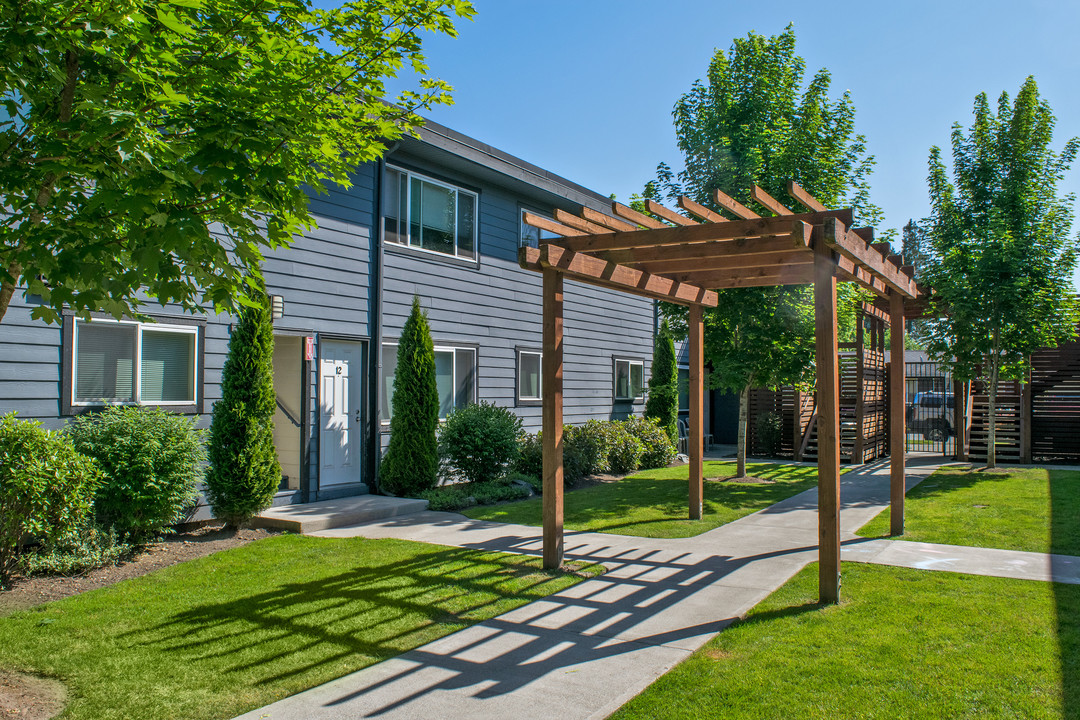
<point>552,422</point>
<point>828,399</point>
<point>695,442</point>
<point>960,416</point>
<point>897,429</point>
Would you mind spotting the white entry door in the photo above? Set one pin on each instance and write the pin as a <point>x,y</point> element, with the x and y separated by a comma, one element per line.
<point>340,382</point>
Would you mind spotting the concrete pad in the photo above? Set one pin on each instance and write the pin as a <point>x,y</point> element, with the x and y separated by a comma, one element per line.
<point>311,517</point>
<point>969,560</point>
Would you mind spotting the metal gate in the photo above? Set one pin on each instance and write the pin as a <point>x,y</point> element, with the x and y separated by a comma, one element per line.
<point>931,409</point>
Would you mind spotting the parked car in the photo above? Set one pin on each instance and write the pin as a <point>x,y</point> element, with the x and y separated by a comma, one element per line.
<point>933,414</point>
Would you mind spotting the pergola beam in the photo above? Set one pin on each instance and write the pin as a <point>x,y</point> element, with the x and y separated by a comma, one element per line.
<point>734,206</point>
<point>700,210</point>
<point>596,271</point>
<point>731,230</point>
<point>768,201</point>
<point>628,213</point>
<point>608,222</point>
<point>793,241</point>
<point>571,220</point>
<point>851,246</point>
<point>741,257</point>
<point>668,214</point>
<point>804,198</point>
<point>801,274</point>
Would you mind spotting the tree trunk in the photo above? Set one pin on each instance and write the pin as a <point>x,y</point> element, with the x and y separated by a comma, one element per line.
<point>7,289</point>
<point>744,416</point>
<point>991,434</point>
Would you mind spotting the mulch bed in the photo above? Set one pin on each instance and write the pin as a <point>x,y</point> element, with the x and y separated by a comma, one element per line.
<point>30,697</point>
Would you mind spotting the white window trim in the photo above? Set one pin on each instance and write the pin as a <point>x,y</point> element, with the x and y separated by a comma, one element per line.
<point>517,378</point>
<point>192,330</point>
<point>615,376</point>
<point>409,175</point>
<point>385,422</point>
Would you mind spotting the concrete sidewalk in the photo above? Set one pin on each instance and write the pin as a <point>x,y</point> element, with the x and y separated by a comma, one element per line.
<point>584,652</point>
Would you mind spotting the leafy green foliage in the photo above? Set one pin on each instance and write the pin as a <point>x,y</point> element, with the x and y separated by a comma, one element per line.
<point>753,122</point>
<point>244,472</point>
<point>167,145</point>
<point>663,402</point>
<point>411,464</point>
<point>591,443</point>
<point>46,487</point>
<point>657,449</point>
<point>451,498</point>
<point>151,460</point>
<point>530,459</point>
<point>769,432</point>
<point>625,449</point>
<point>480,441</point>
<point>1000,254</point>
<point>84,548</point>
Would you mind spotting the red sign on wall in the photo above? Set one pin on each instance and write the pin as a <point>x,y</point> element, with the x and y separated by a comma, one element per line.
<point>309,348</point>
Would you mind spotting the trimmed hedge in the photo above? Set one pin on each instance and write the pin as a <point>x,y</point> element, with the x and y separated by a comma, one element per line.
<point>480,441</point>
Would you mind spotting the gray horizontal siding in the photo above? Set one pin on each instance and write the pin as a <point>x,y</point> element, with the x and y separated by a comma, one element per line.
<point>29,365</point>
<point>497,306</point>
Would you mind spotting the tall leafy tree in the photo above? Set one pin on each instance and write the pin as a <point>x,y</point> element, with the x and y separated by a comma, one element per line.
<point>754,122</point>
<point>1001,253</point>
<point>244,472</point>
<point>164,145</point>
<point>663,402</point>
<point>411,464</point>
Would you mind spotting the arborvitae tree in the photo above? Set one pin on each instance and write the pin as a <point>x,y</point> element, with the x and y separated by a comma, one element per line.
<point>411,464</point>
<point>244,472</point>
<point>663,402</point>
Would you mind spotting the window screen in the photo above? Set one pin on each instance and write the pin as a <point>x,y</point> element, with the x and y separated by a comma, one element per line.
<point>105,362</point>
<point>529,375</point>
<point>168,366</point>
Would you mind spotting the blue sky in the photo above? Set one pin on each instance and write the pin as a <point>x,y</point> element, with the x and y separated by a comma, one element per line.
<point>585,88</point>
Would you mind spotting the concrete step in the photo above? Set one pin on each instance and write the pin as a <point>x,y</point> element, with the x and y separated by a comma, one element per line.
<point>327,514</point>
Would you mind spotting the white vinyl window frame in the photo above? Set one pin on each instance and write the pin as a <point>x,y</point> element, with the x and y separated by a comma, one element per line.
<point>453,350</point>
<point>409,176</point>
<point>140,329</point>
<point>529,399</point>
<point>629,364</point>
<point>530,236</point>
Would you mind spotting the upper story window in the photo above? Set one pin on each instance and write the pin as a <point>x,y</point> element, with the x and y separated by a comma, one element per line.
<point>134,363</point>
<point>532,236</point>
<point>427,214</point>
<point>629,379</point>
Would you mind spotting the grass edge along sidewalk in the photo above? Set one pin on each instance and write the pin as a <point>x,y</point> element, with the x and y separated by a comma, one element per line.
<point>903,644</point>
<point>1030,509</point>
<point>653,503</point>
<point>227,633</point>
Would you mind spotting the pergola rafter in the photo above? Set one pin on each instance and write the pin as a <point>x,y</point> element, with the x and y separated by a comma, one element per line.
<point>666,255</point>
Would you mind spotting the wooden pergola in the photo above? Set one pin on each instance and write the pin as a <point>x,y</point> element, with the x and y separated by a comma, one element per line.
<point>668,256</point>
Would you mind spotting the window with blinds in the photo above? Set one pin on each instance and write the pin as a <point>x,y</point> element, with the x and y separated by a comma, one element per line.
<point>455,379</point>
<point>129,362</point>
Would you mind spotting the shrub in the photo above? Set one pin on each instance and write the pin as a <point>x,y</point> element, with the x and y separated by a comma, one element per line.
<point>244,472</point>
<point>85,548</point>
<point>769,432</point>
<point>151,460</point>
<point>663,402</point>
<point>530,460</point>
<point>411,464</point>
<point>624,455</point>
<point>46,487</point>
<point>450,498</point>
<point>480,441</point>
<point>590,443</point>
<point>657,448</point>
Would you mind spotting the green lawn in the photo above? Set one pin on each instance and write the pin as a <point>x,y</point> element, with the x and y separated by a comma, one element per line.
<point>903,644</point>
<point>653,503</point>
<point>1026,509</point>
<point>227,633</point>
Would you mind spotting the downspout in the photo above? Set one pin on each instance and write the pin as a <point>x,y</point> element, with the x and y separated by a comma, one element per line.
<point>375,294</point>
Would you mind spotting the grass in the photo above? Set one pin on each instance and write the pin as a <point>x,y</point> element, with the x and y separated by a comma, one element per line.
<point>653,503</point>
<point>903,644</point>
<point>233,631</point>
<point>1025,509</point>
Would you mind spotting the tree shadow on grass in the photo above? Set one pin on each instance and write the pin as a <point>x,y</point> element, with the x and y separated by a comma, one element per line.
<point>1065,540</point>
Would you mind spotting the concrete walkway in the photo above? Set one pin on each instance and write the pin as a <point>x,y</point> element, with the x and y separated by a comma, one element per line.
<point>584,652</point>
